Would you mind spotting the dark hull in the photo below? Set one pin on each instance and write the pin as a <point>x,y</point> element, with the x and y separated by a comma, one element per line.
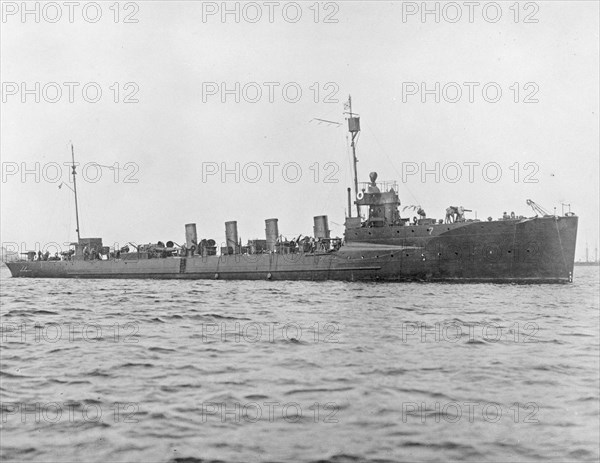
<point>540,250</point>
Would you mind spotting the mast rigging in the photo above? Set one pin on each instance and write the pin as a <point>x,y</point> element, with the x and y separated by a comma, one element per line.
<point>75,191</point>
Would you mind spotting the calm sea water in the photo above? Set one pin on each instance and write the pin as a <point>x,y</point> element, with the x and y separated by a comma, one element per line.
<point>159,371</point>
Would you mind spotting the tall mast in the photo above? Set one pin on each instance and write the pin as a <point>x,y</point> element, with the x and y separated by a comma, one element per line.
<point>354,129</point>
<point>75,191</point>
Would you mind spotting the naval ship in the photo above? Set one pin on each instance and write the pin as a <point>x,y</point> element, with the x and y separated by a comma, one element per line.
<point>378,245</point>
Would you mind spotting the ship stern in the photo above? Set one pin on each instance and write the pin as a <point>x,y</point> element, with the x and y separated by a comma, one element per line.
<point>14,268</point>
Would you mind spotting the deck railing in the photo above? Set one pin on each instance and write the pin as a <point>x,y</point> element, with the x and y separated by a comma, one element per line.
<point>384,187</point>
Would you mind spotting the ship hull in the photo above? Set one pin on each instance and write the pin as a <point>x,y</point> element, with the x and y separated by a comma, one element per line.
<point>539,250</point>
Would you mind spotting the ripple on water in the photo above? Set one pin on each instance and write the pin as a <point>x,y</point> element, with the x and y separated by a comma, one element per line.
<point>370,390</point>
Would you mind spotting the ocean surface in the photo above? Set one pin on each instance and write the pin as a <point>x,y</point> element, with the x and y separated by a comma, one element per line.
<point>185,371</point>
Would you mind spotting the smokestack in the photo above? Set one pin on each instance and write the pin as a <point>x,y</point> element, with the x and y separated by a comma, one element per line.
<point>231,236</point>
<point>272,233</point>
<point>321,228</point>
<point>191,236</point>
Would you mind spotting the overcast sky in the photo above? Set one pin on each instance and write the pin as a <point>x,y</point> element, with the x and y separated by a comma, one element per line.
<point>182,66</point>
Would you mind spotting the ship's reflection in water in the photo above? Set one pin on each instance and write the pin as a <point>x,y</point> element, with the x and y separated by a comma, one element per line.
<point>296,371</point>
